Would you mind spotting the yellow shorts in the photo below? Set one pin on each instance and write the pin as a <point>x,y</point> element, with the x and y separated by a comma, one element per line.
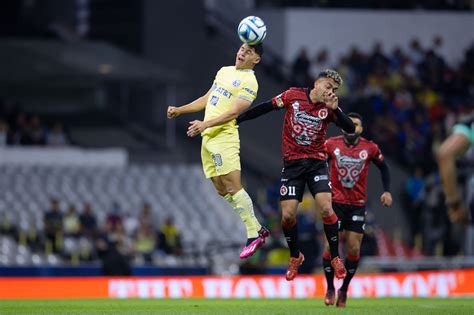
<point>220,155</point>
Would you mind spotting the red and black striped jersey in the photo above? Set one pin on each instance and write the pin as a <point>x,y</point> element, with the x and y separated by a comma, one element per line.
<point>305,125</point>
<point>349,168</point>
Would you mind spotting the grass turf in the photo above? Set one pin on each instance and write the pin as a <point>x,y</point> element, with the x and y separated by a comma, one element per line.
<point>239,306</point>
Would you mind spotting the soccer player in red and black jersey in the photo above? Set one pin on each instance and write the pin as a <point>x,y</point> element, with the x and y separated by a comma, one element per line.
<point>349,158</point>
<point>308,114</point>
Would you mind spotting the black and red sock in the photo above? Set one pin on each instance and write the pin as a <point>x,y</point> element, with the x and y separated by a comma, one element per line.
<point>351,264</point>
<point>328,270</point>
<point>290,230</point>
<point>331,231</point>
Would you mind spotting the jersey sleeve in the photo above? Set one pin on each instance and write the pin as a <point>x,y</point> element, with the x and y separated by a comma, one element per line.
<point>249,90</point>
<point>280,101</point>
<point>377,156</point>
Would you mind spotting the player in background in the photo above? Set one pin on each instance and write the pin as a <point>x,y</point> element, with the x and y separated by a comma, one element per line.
<point>233,90</point>
<point>349,158</point>
<point>456,145</point>
<point>308,114</point>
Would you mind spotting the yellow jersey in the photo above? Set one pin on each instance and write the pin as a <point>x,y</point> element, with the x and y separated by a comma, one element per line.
<point>228,85</point>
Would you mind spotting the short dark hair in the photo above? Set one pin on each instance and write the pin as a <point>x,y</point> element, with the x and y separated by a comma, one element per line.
<point>258,49</point>
<point>355,115</point>
<point>332,74</point>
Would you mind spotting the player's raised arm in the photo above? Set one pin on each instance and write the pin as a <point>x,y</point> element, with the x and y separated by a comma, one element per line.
<point>386,197</point>
<point>256,111</point>
<point>343,121</point>
<point>195,106</point>
<point>198,126</point>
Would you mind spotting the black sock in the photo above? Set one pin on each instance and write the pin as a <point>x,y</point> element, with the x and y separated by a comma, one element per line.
<point>331,231</point>
<point>291,234</point>
<point>329,273</point>
<point>351,267</point>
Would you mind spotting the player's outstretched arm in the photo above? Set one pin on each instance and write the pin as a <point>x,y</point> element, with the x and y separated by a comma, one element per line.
<point>195,106</point>
<point>454,146</point>
<point>198,126</point>
<point>343,121</point>
<point>386,197</point>
<point>256,111</point>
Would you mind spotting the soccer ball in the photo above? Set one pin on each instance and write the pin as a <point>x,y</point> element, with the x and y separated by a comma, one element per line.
<point>252,30</point>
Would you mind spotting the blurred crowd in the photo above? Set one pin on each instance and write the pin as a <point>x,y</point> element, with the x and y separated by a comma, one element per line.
<point>125,237</point>
<point>19,128</point>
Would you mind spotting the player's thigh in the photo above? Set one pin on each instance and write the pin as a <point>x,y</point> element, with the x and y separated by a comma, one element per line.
<point>353,242</point>
<point>317,177</point>
<point>289,208</point>
<point>225,151</point>
<point>292,182</point>
<point>207,159</point>
<point>354,219</point>
<point>231,182</point>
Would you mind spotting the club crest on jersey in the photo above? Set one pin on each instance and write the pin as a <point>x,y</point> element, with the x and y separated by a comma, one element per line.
<point>323,113</point>
<point>279,101</point>
<point>283,190</point>
<point>363,154</point>
<point>236,83</point>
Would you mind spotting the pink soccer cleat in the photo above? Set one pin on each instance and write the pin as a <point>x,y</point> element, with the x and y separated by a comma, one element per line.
<point>251,248</point>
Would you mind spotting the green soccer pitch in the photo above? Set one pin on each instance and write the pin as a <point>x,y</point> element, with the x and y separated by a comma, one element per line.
<point>239,306</point>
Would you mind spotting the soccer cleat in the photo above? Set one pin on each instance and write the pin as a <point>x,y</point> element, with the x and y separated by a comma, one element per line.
<point>251,248</point>
<point>341,298</point>
<point>339,269</point>
<point>329,298</point>
<point>293,267</point>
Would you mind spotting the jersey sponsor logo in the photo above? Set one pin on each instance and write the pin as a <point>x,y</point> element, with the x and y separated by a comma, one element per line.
<point>305,127</point>
<point>214,100</point>
<point>250,91</point>
<point>221,90</point>
<point>236,83</point>
<point>279,101</point>
<point>363,154</point>
<point>356,218</point>
<point>317,178</point>
<point>348,168</point>
<point>323,113</point>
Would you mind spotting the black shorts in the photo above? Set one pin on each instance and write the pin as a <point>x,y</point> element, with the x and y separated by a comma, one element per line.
<point>297,173</point>
<point>351,218</point>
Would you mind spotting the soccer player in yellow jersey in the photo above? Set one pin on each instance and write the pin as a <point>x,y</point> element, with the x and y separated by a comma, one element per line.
<point>233,91</point>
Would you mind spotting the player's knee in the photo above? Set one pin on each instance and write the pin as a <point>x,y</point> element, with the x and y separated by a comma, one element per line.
<point>326,209</point>
<point>288,216</point>
<point>354,250</point>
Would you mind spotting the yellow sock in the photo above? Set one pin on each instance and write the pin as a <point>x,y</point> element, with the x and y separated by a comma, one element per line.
<point>243,206</point>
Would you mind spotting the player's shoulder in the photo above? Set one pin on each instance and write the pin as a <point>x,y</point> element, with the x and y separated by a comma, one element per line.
<point>336,139</point>
<point>368,143</point>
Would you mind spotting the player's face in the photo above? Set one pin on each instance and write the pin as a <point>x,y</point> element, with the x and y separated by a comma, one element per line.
<point>246,57</point>
<point>323,87</point>
<point>351,137</point>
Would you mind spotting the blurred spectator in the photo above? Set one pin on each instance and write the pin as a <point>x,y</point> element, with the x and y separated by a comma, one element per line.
<point>37,133</point>
<point>172,237</point>
<point>300,70</point>
<point>114,218</point>
<point>71,222</point>
<point>56,136</point>
<point>319,63</point>
<point>130,223</point>
<point>414,202</point>
<point>3,133</point>
<point>145,242</point>
<point>88,221</point>
<point>53,225</point>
